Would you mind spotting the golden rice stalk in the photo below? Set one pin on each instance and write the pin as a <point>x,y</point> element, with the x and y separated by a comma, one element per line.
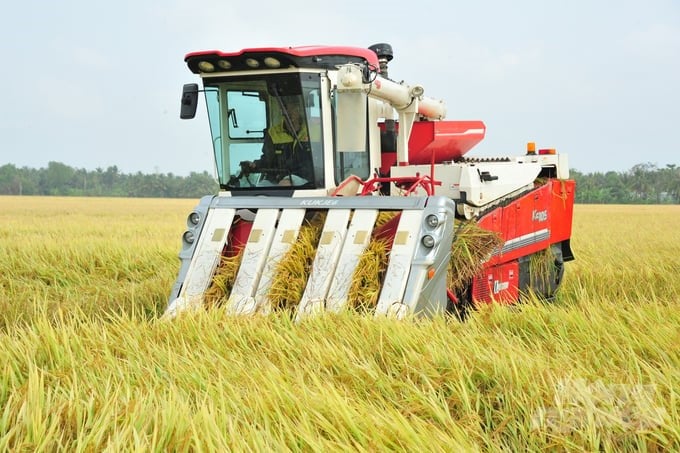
<point>384,217</point>
<point>368,276</point>
<point>292,271</point>
<point>471,247</point>
<point>223,280</point>
<point>541,268</point>
<point>538,182</point>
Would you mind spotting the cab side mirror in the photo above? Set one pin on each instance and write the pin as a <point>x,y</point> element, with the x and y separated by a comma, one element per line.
<point>189,101</point>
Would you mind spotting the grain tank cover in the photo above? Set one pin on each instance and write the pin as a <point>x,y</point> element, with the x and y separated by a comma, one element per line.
<point>448,140</point>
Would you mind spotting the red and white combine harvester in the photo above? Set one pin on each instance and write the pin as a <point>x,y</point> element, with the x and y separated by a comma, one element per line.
<point>303,131</point>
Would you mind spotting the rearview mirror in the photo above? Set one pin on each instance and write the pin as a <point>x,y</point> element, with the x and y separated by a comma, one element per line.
<point>189,101</point>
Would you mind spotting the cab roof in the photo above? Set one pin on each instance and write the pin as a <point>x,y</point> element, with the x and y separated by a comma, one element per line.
<point>322,57</point>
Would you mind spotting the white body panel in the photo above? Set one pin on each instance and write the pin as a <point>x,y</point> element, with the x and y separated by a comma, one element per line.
<point>478,184</point>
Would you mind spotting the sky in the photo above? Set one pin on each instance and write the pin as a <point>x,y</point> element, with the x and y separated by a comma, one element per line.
<point>93,84</point>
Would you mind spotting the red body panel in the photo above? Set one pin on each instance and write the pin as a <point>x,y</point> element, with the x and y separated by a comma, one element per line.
<point>532,222</point>
<point>562,207</point>
<point>238,236</point>
<point>448,140</point>
<point>527,225</point>
<point>497,284</point>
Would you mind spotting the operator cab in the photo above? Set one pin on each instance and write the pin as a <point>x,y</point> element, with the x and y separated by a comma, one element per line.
<point>253,106</point>
<point>249,95</point>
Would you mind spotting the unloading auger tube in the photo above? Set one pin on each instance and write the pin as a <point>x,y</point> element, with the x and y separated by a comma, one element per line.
<point>349,166</point>
<point>407,101</point>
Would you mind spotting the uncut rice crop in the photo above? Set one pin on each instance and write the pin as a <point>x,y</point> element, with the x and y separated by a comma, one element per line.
<point>88,366</point>
<point>541,268</point>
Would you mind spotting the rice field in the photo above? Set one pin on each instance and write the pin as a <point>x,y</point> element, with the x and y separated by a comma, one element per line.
<point>86,365</point>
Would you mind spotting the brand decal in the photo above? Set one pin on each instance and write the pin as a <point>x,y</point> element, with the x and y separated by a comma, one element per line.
<point>318,202</point>
<point>499,286</point>
<point>539,216</point>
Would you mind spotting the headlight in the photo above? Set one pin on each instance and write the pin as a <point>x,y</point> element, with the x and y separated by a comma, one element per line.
<point>194,218</point>
<point>189,237</point>
<point>206,66</point>
<point>272,62</point>
<point>427,241</point>
<point>432,220</point>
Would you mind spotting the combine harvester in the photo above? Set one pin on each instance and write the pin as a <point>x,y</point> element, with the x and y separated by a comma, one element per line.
<point>317,148</point>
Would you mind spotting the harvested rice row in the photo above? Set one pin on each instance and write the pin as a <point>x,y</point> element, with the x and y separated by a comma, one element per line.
<point>292,272</point>
<point>472,246</point>
<point>367,279</point>
<point>370,271</point>
<point>223,280</point>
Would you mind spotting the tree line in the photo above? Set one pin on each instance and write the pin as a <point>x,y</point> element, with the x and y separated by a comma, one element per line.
<point>61,179</point>
<point>643,184</point>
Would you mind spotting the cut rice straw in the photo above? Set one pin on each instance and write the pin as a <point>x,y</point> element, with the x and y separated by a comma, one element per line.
<point>472,246</point>
<point>223,280</point>
<point>368,276</point>
<point>292,271</point>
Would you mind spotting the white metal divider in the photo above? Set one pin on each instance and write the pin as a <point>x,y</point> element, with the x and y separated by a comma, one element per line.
<point>286,233</point>
<point>325,262</point>
<point>253,260</point>
<point>358,237</point>
<point>401,256</point>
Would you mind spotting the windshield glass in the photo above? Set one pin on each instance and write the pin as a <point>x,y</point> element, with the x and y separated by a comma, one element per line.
<point>266,130</point>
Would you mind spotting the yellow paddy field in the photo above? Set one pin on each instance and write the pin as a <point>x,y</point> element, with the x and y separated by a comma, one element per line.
<point>86,365</point>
